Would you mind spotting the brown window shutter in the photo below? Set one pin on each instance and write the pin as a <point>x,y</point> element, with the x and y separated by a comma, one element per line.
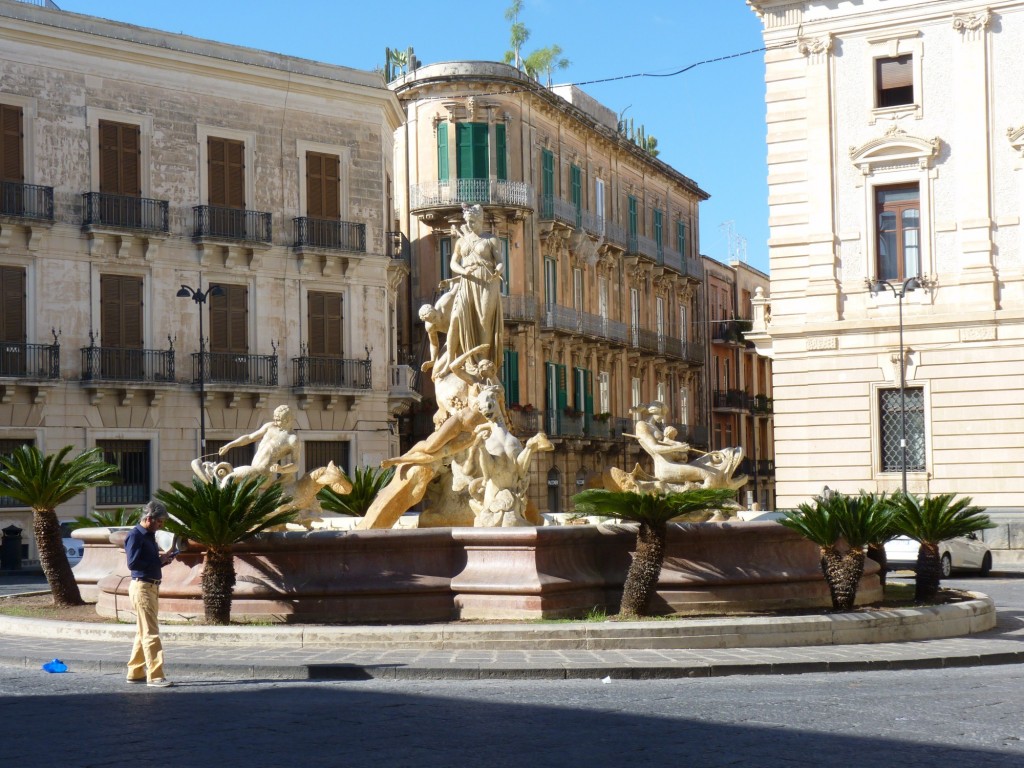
<point>325,324</point>
<point>120,146</point>
<point>229,320</point>
<point>131,309</point>
<point>235,170</point>
<point>314,185</point>
<point>131,151</point>
<point>12,292</point>
<point>217,170</point>
<point>121,311</point>
<point>332,182</point>
<point>12,166</point>
<point>110,311</point>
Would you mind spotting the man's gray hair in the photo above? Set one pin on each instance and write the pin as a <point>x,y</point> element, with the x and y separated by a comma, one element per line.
<point>155,511</point>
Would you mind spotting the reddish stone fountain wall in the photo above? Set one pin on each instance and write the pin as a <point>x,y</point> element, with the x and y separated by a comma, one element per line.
<point>440,574</point>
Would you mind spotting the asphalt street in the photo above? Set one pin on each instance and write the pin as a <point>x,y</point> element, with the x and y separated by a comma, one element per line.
<point>963,717</point>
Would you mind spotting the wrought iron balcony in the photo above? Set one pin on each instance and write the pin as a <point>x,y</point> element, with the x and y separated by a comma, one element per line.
<point>310,371</point>
<point>563,424</point>
<point>616,234</point>
<point>673,259</point>
<point>638,245</point>
<point>520,308</point>
<point>593,224</point>
<point>26,201</point>
<point>328,234</point>
<point>731,400</point>
<point>29,361</point>
<point>396,246</point>
<point>453,193</point>
<point>120,364</point>
<point>218,223</point>
<point>526,422</point>
<point>563,211</point>
<point>125,211</point>
<point>763,405</point>
<point>234,368</point>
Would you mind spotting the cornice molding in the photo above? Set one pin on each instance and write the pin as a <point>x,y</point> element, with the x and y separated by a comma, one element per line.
<point>894,147</point>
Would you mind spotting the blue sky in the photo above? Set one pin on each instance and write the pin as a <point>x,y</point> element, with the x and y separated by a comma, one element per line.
<point>709,121</point>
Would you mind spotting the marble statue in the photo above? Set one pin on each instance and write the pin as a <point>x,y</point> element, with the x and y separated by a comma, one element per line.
<point>673,469</point>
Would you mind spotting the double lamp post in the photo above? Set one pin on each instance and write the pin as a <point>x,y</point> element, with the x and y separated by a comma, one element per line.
<point>199,296</point>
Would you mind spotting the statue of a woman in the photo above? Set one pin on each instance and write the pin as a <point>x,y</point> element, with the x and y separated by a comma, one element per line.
<point>476,309</point>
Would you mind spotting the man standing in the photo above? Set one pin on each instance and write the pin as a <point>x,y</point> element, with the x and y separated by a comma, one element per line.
<point>145,561</point>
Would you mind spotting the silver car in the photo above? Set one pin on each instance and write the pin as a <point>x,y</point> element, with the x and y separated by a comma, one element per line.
<point>964,553</point>
<point>75,548</point>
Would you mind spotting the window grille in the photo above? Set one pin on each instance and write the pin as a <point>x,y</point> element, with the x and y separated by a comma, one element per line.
<point>131,457</point>
<point>236,457</point>
<point>320,452</point>
<point>891,428</point>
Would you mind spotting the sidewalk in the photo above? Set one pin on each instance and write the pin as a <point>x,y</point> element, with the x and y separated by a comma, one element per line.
<point>301,653</point>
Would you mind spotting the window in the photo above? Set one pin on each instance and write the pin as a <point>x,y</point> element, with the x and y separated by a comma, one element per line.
<point>891,429</point>
<point>131,457</point>
<point>442,152</point>
<point>604,392</point>
<point>554,490</point>
<point>323,184</point>
<point>226,161</point>
<point>501,152</point>
<point>318,453</point>
<point>12,321</point>
<point>898,217</point>
<point>506,275</point>
<point>471,150</point>
<point>12,164</point>
<point>120,151</point>
<point>659,316</point>
<point>510,376</point>
<point>550,282</point>
<point>894,81</point>
<point>681,238</point>
<point>583,390</point>
<point>7,447</point>
<point>556,395</point>
<point>326,317</point>
<point>547,182</point>
<point>635,394</point>
<point>633,222</point>
<point>577,289</point>
<point>634,317</point>
<point>684,406</point>
<point>239,456</point>
<point>658,226</point>
<point>229,335</point>
<point>684,327</point>
<point>599,204</point>
<point>576,190</point>
<point>602,297</point>
<point>121,326</point>
<point>445,248</point>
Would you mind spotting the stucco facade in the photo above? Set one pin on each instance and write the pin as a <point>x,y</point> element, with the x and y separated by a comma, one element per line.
<point>894,152</point>
<point>602,305</point>
<point>96,268</point>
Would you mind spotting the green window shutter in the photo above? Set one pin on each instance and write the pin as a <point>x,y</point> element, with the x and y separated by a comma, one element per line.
<point>507,271</point>
<point>442,151</point>
<point>577,193</point>
<point>510,376</point>
<point>547,173</point>
<point>658,228</point>
<point>500,149</point>
<point>588,392</point>
<point>446,258</point>
<point>579,388</point>
<point>471,149</point>
<point>563,394</point>
<point>632,216</point>
<point>681,238</point>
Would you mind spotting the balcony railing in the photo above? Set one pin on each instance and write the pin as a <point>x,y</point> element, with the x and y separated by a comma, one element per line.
<point>120,364</point>
<point>593,224</point>
<point>29,361</point>
<point>439,194</point>
<point>526,423</point>
<point>734,399</point>
<point>125,211</point>
<point>308,371</point>
<point>616,234</point>
<point>520,308</point>
<point>763,405</point>
<point>396,246</point>
<point>643,246</point>
<point>325,233</point>
<point>556,209</point>
<point>673,260</point>
<point>232,224</point>
<point>26,201</point>
<point>234,368</point>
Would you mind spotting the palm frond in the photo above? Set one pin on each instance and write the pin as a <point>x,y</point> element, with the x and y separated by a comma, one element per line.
<point>650,508</point>
<point>934,519</point>
<point>44,482</point>
<point>367,482</point>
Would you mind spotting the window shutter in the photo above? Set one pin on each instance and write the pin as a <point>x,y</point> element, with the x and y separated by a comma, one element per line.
<point>12,292</point>
<point>332,187</point>
<point>131,312</point>
<point>315,185</point>
<point>632,216</point>
<point>588,392</point>
<point>215,160</point>
<point>110,311</point>
<point>121,311</point>
<point>895,73</point>
<point>235,174</point>
<point>577,186</point>
<point>471,145</point>
<point>547,162</point>
<point>681,238</point>
<point>500,149</point>
<point>442,151</point>
<point>119,149</point>
<point>229,320</point>
<point>657,228</point>
<point>563,395</point>
<point>325,324</point>
<point>510,376</point>
<point>11,156</point>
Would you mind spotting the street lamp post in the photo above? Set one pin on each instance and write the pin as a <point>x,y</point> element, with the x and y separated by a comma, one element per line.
<point>199,297</point>
<point>910,284</point>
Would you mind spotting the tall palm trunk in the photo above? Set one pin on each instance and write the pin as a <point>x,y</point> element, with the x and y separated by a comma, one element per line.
<point>217,583</point>
<point>644,570</point>
<point>850,571</point>
<point>929,572</point>
<point>876,552</point>
<point>53,559</point>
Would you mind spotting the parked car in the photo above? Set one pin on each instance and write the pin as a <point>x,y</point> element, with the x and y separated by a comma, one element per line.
<point>74,547</point>
<point>964,553</point>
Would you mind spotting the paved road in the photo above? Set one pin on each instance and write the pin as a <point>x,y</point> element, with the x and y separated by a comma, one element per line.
<point>962,718</point>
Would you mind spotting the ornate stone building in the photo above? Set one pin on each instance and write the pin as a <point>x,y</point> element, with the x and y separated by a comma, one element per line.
<point>602,280</point>
<point>895,146</point>
<point>739,379</point>
<point>140,167</point>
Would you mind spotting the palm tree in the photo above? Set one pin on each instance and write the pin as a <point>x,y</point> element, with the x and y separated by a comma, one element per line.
<point>367,482</point>
<point>44,483</point>
<point>108,518</point>
<point>518,34</point>
<point>829,522</point>
<point>218,518</point>
<point>653,512</point>
<point>930,521</point>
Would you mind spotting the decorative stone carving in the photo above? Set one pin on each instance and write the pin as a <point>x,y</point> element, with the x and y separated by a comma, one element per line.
<point>968,23</point>
<point>814,46</point>
<point>895,146</point>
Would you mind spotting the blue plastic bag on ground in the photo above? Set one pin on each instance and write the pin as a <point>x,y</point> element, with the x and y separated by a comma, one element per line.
<point>55,666</point>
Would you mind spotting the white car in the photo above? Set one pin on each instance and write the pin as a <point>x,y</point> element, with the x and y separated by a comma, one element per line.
<point>964,553</point>
<point>75,548</point>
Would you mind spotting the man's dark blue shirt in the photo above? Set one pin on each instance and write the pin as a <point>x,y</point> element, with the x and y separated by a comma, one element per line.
<point>143,554</point>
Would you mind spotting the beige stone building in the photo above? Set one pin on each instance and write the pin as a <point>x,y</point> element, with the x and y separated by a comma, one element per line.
<point>136,162</point>
<point>895,146</point>
<point>602,307</point>
<point>739,379</point>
